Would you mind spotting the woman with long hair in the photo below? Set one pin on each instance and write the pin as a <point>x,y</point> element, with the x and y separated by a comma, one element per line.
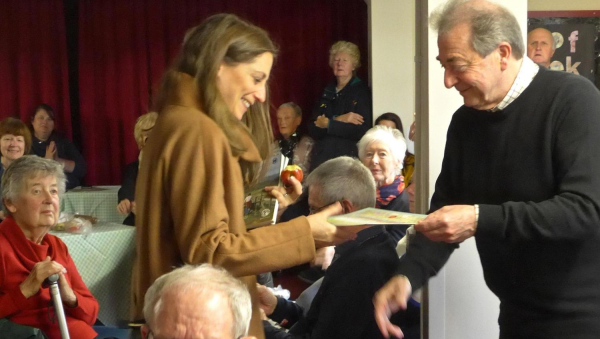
<point>212,133</point>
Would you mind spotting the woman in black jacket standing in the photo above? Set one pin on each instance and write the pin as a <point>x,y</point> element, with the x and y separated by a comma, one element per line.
<point>343,113</point>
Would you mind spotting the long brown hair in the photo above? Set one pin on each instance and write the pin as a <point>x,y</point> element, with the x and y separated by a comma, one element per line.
<point>229,39</point>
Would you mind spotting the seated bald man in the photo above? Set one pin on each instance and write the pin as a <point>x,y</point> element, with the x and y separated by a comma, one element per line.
<point>197,302</point>
<point>540,46</point>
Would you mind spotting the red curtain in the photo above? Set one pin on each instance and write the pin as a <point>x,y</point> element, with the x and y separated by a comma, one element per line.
<point>33,60</point>
<point>125,46</point>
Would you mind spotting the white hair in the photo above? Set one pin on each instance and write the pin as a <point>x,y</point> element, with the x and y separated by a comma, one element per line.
<point>197,284</point>
<point>393,138</point>
<point>27,167</point>
<point>344,178</point>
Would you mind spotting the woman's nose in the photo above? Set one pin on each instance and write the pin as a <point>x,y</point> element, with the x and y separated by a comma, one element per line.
<point>261,94</point>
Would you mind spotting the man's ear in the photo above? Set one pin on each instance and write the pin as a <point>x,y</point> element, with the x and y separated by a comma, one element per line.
<point>145,330</point>
<point>505,51</point>
<point>347,206</point>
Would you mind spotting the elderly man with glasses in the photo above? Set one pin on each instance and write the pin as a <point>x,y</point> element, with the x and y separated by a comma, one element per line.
<point>342,306</point>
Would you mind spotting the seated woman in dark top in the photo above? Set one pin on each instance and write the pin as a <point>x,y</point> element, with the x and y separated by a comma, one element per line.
<point>382,150</point>
<point>48,144</point>
<point>343,113</point>
<point>126,206</point>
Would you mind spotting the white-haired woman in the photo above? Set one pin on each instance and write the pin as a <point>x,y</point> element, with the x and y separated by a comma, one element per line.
<point>382,150</point>
<point>31,189</point>
<point>343,113</point>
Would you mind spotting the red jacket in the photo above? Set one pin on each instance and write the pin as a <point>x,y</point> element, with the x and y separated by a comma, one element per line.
<point>18,255</point>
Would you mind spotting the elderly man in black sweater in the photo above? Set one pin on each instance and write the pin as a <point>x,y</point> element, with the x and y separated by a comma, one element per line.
<point>521,174</point>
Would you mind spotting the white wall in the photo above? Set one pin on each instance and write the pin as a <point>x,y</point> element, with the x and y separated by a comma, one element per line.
<point>562,5</point>
<point>391,48</point>
<point>461,306</point>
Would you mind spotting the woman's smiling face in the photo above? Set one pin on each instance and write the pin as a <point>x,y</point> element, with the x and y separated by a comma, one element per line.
<point>243,84</point>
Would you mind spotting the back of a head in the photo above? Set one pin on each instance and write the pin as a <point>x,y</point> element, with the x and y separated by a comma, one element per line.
<point>490,24</point>
<point>190,301</point>
<point>344,178</point>
<point>143,125</point>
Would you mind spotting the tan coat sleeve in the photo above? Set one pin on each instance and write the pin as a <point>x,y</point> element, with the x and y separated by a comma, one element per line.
<point>205,191</point>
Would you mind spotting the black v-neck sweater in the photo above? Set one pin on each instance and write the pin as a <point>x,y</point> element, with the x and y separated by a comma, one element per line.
<point>534,170</point>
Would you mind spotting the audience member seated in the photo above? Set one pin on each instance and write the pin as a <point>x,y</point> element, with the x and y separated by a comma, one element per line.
<point>342,307</point>
<point>197,302</point>
<point>48,144</point>
<point>15,141</point>
<point>343,113</point>
<point>31,190</point>
<point>126,206</point>
<point>541,46</point>
<point>293,145</point>
<point>382,150</point>
<point>393,120</point>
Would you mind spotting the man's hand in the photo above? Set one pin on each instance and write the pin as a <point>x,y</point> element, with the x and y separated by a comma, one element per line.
<point>391,298</point>
<point>322,121</point>
<point>451,224</point>
<point>351,118</point>
<point>267,301</point>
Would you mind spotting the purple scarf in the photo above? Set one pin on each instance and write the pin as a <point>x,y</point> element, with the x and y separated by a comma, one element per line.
<point>385,194</point>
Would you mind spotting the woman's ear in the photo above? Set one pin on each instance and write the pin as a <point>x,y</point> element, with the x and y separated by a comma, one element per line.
<point>10,206</point>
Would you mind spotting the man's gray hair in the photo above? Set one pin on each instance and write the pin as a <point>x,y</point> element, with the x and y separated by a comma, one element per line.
<point>344,178</point>
<point>391,137</point>
<point>14,179</point>
<point>198,283</point>
<point>294,106</point>
<point>490,25</point>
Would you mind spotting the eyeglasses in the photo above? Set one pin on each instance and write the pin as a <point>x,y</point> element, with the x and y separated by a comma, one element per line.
<point>313,210</point>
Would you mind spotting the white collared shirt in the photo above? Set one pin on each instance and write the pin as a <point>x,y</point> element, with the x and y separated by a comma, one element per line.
<point>528,71</point>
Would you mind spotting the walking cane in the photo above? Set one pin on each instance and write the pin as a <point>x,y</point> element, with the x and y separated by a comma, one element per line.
<point>58,306</point>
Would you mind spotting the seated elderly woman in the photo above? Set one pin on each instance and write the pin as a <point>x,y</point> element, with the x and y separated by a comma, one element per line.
<point>382,150</point>
<point>393,120</point>
<point>31,189</point>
